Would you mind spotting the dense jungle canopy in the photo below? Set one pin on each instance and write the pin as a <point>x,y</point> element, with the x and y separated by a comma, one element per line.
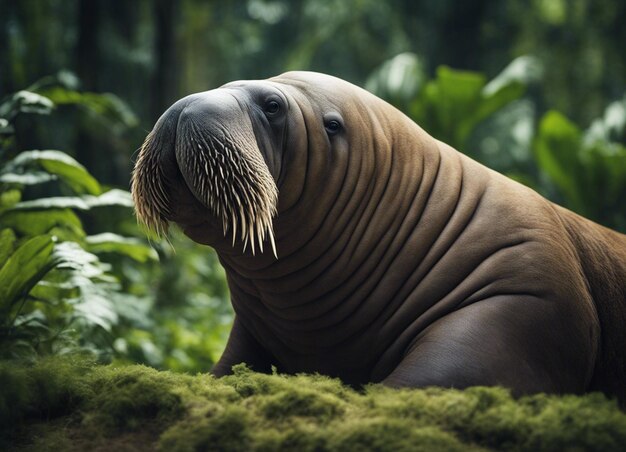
<point>535,89</point>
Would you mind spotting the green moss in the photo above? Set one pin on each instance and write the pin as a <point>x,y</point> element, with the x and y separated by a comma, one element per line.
<point>299,436</point>
<point>46,437</point>
<point>125,398</point>
<point>227,429</point>
<point>300,402</point>
<point>70,404</point>
<point>393,435</point>
<point>48,388</point>
<point>587,423</point>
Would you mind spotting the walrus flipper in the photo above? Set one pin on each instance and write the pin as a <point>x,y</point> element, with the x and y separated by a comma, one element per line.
<point>242,348</point>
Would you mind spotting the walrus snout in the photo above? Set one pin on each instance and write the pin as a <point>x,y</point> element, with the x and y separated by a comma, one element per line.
<point>156,179</point>
<point>207,143</point>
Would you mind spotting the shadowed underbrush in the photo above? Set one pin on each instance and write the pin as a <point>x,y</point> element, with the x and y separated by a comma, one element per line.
<point>72,404</point>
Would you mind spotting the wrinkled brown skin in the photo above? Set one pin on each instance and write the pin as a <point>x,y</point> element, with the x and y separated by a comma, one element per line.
<point>402,261</point>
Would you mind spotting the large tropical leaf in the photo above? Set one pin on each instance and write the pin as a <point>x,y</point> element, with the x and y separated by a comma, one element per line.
<point>23,269</point>
<point>451,105</point>
<point>61,222</point>
<point>452,99</point>
<point>59,164</point>
<point>73,257</point>
<point>25,102</point>
<point>113,243</point>
<point>106,105</point>
<point>557,149</point>
<point>9,198</point>
<point>30,178</point>
<point>94,307</point>
<point>7,243</point>
<point>507,86</point>
<point>89,275</point>
<point>523,70</point>
<point>113,197</point>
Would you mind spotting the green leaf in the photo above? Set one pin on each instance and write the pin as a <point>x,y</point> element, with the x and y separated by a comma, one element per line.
<point>55,202</point>
<point>505,88</point>
<point>604,170</point>
<point>51,291</point>
<point>106,105</point>
<point>611,126</point>
<point>113,243</point>
<point>24,268</point>
<point>557,148</point>
<point>89,275</point>
<point>36,222</point>
<point>398,80</point>
<point>30,178</point>
<point>523,71</point>
<point>72,256</point>
<point>61,165</point>
<point>453,97</point>
<point>9,198</point>
<point>7,243</point>
<point>113,197</point>
<point>96,309</point>
<point>25,102</point>
<point>6,128</point>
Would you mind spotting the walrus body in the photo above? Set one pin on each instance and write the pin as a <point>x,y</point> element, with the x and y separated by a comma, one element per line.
<point>397,259</point>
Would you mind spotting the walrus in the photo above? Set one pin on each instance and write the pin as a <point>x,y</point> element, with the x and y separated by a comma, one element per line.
<point>357,246</point>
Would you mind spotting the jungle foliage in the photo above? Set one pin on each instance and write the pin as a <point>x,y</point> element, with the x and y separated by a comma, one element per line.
<point>75,269</point>
<point>495,122</point>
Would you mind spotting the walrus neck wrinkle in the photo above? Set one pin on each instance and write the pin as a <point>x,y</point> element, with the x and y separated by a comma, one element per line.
<point>381,278</point>
<point>319,189</point>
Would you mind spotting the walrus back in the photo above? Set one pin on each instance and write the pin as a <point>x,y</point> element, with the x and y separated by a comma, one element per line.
<point>602,255</point>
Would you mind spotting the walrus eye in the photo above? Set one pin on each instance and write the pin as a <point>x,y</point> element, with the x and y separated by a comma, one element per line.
<point>332,127</point>
<point>272,108</point>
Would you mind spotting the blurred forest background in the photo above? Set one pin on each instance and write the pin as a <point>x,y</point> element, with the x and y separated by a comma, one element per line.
<point>535,89</point>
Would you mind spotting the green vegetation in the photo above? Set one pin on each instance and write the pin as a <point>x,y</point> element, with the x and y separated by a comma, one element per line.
<point>71,404</point>
<point>74,270</point>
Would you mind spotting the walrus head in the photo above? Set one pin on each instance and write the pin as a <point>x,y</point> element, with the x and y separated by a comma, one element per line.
<point>233,165</point>
<point>207,145</point>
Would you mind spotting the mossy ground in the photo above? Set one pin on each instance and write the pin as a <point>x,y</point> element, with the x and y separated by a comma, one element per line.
<point>70,404</point>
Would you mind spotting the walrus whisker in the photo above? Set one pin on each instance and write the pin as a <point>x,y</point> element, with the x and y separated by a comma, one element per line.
<point>271,236</point>
<point>243,223</point>
<point>234,230</point>
<point>245,243</point>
